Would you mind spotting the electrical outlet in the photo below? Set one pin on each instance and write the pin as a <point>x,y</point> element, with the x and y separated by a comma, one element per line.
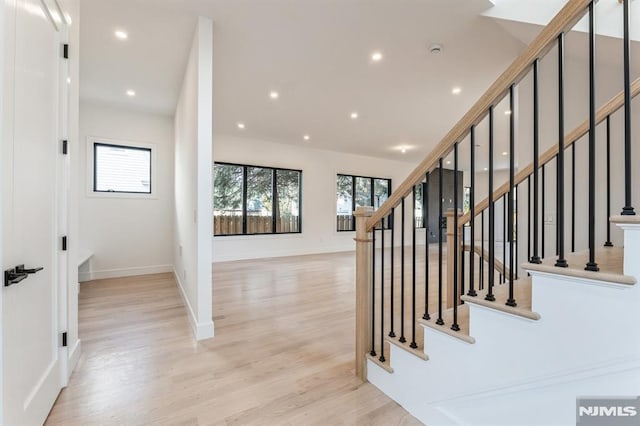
<point>184,274</point>
<point>180,250</point>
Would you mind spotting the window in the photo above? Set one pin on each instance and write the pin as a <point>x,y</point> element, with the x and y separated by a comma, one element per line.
<point>252,200</point>
<point>354,191</point>
<point>121,169</point>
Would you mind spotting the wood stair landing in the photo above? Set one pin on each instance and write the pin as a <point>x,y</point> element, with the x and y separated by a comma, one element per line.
<point>609,260</point>
<point>521,293</point>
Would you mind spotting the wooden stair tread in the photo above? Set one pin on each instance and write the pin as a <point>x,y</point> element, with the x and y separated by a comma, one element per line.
<point>447,317</point>
<point>521,294</point>
<point>609,260</point>
<point>384,365</point>
<point>625,219</point>
<point>419,351</point>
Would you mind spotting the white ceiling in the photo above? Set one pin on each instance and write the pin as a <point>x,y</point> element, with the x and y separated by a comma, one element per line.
<point>316,54</point>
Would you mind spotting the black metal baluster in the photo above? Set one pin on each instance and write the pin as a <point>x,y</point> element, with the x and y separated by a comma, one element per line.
<point>373,293</point>
<point>627,210</point>
<point>536,163</point>
<point>511,301</point>
<point>592,265</point>
<point>492,216</point>
<point>529,217</point>
<point>402,338</point>
<point>543,211</point>
<point>413,275</point>
<point>505,236</point>
<point>382,231</point>
<point>392,333</point>
<point>425,218</point>
<point>472,215</point>
<point>482,251</point>
<point>573,197</point>
<point>456,239</point>
<point>561,262</point>
<point>608,243</point>
<point>440,321</point>
<point>515,231</point>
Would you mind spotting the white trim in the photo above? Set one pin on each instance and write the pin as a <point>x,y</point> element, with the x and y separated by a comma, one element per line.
<point>74,357</point>
<point>124,272</point>
<point>48,381</point>
<point>201,331</point>
<point>134,144</point>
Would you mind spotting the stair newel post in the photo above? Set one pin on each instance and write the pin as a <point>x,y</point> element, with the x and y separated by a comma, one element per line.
<point>591,264</point>
<point>364,306</point>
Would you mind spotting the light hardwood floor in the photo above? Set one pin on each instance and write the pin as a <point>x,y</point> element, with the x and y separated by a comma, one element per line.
<point>283,351</point>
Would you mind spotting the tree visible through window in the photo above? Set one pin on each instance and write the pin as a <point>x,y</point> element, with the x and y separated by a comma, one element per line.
<point>251,200</point>
<point>355,191</point>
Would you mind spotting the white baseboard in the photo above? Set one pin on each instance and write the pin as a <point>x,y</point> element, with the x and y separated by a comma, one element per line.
<point>201,330</point>
<point>74,356</point>
<point>124,272</point>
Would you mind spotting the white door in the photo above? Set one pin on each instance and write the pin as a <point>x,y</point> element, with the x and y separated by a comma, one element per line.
<point>31,226</point>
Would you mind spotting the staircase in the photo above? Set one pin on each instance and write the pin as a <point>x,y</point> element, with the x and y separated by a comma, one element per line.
<point>487,327</point>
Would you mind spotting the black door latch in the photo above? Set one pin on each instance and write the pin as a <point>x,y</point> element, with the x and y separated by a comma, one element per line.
<point>18,274</point>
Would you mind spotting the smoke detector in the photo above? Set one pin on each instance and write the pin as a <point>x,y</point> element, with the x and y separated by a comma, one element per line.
<point>435,48</point>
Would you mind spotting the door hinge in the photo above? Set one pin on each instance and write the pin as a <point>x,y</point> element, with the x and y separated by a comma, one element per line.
<point>64,243</point>
<point>65,147</point>
<point>64,339</point>
<point>65,51</point>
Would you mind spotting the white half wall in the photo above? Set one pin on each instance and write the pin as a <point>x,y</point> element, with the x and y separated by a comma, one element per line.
<point>126,235</point>
<point>193,208</point>
<point>319,170</point>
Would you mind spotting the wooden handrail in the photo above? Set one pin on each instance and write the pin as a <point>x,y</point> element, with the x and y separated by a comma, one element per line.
<point>571,13</point>
<point>613,105</point>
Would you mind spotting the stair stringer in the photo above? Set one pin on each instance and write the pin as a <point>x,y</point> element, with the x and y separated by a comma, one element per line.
<point>579,330</point>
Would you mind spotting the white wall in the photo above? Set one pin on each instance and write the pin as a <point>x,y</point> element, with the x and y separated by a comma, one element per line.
<point>193,182</point>
<point>127,236</point>
<point>319,170</point>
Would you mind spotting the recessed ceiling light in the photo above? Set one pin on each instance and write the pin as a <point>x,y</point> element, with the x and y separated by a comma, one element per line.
<point>68,80</point>
<point>354,115</point>
<point>456,90</point>
<point>486,169</point>
<point>274,95</point>
<point>507,112</point>
<point>306,137</point>
<point>241,126</point>
<point>376,56</point>
<point>122,35</point>
<point>435,48</point>
<point>448,161</point>
<point>505,153</point>
<point>403,150</point>
<point>131,93</point>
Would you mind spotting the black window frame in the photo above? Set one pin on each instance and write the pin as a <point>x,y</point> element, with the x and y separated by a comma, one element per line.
<point>96,144</point>
<point>274,198</point>
<point>372,180</point>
